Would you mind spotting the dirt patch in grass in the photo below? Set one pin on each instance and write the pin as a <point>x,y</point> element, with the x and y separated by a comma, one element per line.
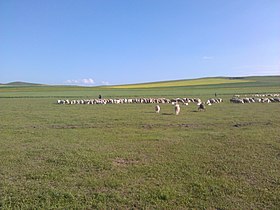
<point>245,124</point>
<point>237,125</point>
<point>65,126</point>
<point>60,126</point>
<point>75,126</point>
<point>182,125</point>
<point>124,161</point>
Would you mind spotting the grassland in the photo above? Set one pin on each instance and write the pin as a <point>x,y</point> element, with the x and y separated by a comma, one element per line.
<point>249,85</point>
<point>180,83</point>
<point>126,156</point>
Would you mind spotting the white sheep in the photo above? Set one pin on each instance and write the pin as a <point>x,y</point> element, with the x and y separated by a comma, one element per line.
<point>177,109</point>
<point>157,108</point>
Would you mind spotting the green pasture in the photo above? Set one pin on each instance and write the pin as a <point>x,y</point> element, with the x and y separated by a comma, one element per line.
<point>125,156</point>
<point>188,88</point>
<point>180,83</point>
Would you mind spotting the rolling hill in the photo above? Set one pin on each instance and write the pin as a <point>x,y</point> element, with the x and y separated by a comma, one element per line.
<point>190,87</point>
<point>19,83</point>
<point>189,82</point>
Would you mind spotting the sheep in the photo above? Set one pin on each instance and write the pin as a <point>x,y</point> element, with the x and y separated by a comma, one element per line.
<point>208,102</point>
<point>60,101</point>
<point>266,100</point>
<point>246,100</point>
<point>237,100</point>
<point>257,100</point>
<point>220,100</point>
<point>177,109</point>
<point>197,100</point>
<point>157,108</point>
<point>201,107</point>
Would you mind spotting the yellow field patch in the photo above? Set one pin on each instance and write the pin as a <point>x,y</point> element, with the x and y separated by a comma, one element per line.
<point>193,82</point>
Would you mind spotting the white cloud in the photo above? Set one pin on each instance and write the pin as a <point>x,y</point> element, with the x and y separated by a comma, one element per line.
<point>87,81</point>
<point>207,57</point>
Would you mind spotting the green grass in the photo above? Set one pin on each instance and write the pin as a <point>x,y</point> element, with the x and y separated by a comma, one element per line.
<point>180,83</point>
<point>126,156</point>
<point>266,84</point>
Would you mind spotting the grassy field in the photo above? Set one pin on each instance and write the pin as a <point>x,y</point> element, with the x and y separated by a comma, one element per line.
<point>180,83</point>
<point>190,88</point>
<point>126,156</point>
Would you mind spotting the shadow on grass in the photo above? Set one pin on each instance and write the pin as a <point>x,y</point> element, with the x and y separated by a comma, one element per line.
<point>160,113</point>
<point>167,114</point>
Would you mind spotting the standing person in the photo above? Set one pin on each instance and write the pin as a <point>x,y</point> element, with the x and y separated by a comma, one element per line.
<point>99,96</point>
<point>215,94</point>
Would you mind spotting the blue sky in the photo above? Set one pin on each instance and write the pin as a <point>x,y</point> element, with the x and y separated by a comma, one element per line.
<point>95,42</point>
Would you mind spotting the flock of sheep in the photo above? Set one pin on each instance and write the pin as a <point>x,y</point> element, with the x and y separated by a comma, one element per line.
<point>176,102</point>
<point>129,101</point>
<point>257,98</point>
<point>184,101</point>
<point>261,98</point>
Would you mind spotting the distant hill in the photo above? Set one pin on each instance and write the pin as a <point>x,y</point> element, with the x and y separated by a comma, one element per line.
<point>18,83</point>
<point>204,81</point>
<point>187,82</point>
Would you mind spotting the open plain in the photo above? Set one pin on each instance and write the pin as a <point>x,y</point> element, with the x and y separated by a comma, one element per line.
<point>126,156</point>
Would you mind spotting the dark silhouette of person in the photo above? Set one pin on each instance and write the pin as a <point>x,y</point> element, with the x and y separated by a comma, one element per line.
<point>99,96</point>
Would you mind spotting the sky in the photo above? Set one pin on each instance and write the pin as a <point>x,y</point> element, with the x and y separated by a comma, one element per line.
<point>109,42</point>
